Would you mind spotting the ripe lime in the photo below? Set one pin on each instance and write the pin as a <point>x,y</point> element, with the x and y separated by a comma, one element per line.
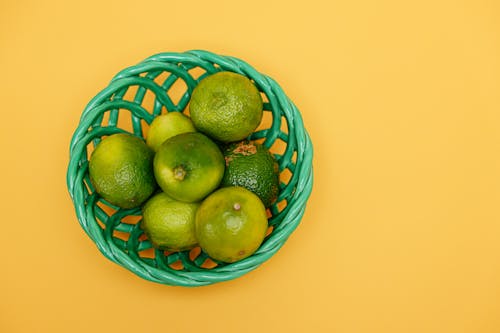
<point>166,126</point>
<point>252,166</point>
<point>168,223</point>
<point>231,224</point>
<point>188,166</point>
<point>121,170</point>
<point>226,106</point>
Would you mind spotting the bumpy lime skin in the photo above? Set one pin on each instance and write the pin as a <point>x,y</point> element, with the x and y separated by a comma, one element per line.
<point>121,170</point>
<point>252,166</point>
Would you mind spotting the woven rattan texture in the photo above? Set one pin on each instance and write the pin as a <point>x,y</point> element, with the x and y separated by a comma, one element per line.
<point>130,102</point>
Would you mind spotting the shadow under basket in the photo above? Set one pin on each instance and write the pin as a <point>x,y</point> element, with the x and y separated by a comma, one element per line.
<point>135,96</point>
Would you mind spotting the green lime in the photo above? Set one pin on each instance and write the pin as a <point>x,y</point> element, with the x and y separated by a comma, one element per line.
<point>168,223</point>
<point>226,106</point>
<point>166,126</point>
<point>252,166</point>
<point>188,166</point>
<point>231,224</point>
<point>121,170</point>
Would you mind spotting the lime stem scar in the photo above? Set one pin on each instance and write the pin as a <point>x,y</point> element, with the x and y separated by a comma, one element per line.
<point>179,172</point>
<point>236,206</point>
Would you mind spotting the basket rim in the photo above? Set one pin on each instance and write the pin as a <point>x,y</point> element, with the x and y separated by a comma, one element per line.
<point>77,169</point>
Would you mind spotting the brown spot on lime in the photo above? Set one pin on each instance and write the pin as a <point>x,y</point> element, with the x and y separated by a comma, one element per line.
<point>242,252</point>
<point>245,149</point>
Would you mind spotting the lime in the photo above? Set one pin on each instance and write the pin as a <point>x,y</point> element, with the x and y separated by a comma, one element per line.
<point>231,224</point>
<point>226,106</point>
<point>166,126</point>
<point>188,166</point>
<point>168,223</point>
<point>252,166</point>
<point>121,170</point>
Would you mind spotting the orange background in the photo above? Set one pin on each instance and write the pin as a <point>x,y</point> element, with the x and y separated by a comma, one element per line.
<point>402,101</point>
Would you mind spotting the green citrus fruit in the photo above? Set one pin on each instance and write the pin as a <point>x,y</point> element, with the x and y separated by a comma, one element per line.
<point>231,224</point>
<point>168,223</point>
<point>226,106</point>
<point>121,170</point>
<point>166,126</point>
<point>252,166</point>
<point>188,166</point>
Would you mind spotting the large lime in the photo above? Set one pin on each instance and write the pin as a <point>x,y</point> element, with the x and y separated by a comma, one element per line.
<point>188,166</point>
<point>121,170</point>
<point>226,106</point>
<point>231,224</point>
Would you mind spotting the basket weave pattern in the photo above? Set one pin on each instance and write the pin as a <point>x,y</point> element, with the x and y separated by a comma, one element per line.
<point>121,108</point>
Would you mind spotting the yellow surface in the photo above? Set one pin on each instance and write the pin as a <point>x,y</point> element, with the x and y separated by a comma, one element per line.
<point>402,101</point>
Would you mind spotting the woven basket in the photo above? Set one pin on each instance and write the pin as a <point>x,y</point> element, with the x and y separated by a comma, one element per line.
<point>163,83</point>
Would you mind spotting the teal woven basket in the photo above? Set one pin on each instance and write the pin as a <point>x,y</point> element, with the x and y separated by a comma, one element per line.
<point>163,83</point>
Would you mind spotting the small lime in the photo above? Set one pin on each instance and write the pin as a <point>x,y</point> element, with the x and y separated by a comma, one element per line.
<point>166,126</point>
<point>168,223</point>
<point>252,166</point>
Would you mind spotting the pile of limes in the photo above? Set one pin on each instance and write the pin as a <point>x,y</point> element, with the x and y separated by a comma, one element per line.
<point>198,179</point>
